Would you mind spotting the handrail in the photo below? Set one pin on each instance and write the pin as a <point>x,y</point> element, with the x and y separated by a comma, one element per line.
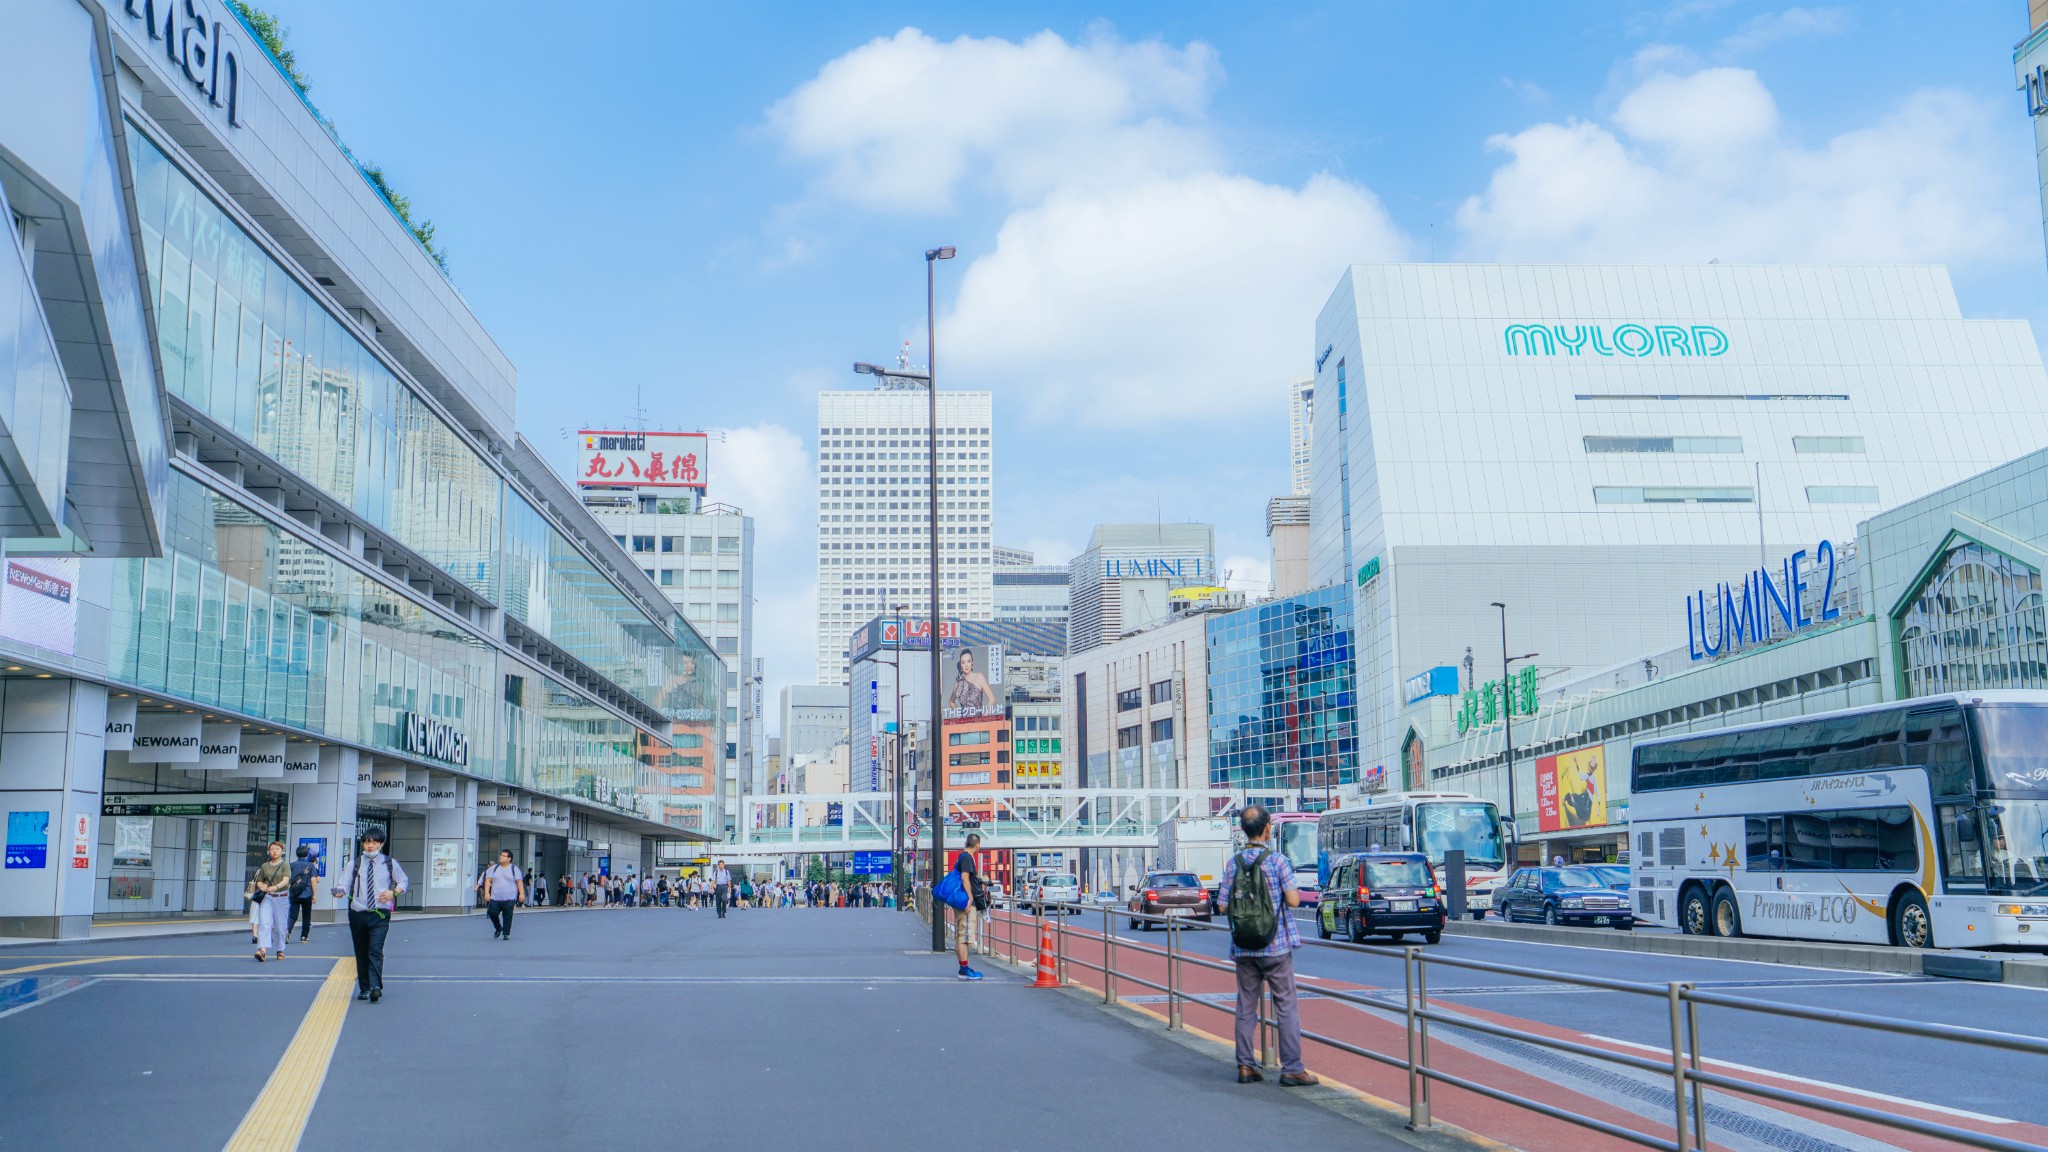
<point>1688,1125</point>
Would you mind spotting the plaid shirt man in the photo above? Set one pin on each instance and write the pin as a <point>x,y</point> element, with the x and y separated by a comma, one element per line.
<point>1279,878</point>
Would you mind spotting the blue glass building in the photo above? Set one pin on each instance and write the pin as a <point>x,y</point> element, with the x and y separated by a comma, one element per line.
<point>1283,720</point>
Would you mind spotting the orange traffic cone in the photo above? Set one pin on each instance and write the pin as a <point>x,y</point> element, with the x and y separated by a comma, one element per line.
<point>1048,968</point>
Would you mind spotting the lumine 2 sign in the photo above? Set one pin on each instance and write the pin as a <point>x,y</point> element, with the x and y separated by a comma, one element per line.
<point>1623,339</point>
<point>1744,613</point>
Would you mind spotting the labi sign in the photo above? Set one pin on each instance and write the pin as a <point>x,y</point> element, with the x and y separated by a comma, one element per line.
<point>1758,609</point>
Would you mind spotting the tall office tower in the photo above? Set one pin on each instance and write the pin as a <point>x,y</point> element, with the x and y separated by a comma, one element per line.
<point>873,488</point>
<point>1128,578</point>
<point>647,489</point>
<point>1301,422</point>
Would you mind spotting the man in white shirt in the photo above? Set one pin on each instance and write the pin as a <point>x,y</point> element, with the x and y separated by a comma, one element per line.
<point>723,880</point>
<point>505,888</point>
<point>371,883</point>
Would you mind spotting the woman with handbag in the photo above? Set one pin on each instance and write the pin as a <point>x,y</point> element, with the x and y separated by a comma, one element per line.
<point>267,889</point>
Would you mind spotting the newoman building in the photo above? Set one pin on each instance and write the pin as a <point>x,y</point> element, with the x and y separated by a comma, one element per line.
<point>278,565</point>
<point>1594,446</point>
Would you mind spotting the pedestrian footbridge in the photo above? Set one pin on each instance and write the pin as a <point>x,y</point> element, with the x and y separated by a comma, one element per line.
<point>1033,819</point>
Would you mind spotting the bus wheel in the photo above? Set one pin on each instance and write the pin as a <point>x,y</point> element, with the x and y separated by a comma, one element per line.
<point>1727,914</point>
<point>1911,926</point>
<point>1692,911</point>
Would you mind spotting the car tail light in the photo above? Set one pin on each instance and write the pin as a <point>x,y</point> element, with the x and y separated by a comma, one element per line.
<point>1364,893</point>
<point>1151,896</point>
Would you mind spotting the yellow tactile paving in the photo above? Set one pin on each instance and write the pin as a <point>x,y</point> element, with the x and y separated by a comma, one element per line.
<point>278,1117</point>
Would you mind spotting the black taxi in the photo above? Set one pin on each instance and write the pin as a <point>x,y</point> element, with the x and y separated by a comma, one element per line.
<point>1381,894</point>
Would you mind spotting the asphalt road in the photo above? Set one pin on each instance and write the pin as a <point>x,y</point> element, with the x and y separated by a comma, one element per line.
<point>651,1028</point>
<point>1952,1075</point>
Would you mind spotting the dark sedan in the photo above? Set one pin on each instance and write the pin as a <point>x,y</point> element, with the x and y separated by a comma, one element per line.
<point>1570,895</point>
<point>1381,893</point>
<point>1169,894</point>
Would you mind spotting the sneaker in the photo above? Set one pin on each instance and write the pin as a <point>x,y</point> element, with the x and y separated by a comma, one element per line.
<point>376,994</point>
<point>967,973</point>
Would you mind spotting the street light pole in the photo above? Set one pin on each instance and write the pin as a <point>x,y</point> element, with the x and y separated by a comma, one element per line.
<point>902,731</point>
<point>1507,716</point>
<point>931,366</point>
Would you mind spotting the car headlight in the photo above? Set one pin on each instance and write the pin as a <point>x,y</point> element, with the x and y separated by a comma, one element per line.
<point>2023,909</point>
<point>1574,902</point>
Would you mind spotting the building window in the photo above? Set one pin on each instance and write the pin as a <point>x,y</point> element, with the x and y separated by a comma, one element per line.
<point>728,645</point>
<point>701,578</point>
<point>1130,698</point>
<point>1162,730</point>
<point>956,739</point>
<point>729,545</point>
<point>1851,445</point>
<point>959,758</point>
<point>1977,623</point>
<point>1841,494</point>
<point>643,543</point>
<point>728,613</point>
<point>1604,495</point>
<point>1162,691</point>
<point>700,545</point>
<point>966,779</point>
<point>668,577</point>
<point>1129,737</point>
<point>1731,445</point>
<point>728,578</point>
<point>671,543</point>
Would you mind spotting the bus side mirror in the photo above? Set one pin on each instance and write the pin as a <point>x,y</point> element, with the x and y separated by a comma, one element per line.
<point>1966,827</point>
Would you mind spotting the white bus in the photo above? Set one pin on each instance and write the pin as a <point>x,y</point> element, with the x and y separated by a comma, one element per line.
<point>1921,823</point>
<point>1431,823</point>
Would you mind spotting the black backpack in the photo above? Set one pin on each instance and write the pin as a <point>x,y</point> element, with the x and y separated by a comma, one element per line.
<point>1253,919</point>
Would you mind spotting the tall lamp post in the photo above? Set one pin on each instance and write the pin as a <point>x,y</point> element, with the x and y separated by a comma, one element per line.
<point>1507,716</point>
<point>896,816</point>
<point>930,376</point>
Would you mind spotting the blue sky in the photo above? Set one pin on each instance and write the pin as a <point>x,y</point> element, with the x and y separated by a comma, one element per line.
<point>719,208</point>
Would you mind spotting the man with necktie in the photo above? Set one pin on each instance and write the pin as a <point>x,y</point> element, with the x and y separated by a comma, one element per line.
<point>371,882</point>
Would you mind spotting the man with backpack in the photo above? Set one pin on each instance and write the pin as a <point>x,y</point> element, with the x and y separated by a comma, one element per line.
<point>1263,937</point>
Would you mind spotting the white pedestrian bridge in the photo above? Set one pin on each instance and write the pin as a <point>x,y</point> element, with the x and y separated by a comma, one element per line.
<point>1027,819</point>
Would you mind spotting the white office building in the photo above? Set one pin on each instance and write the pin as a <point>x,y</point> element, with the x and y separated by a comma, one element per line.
<point>1301,415</point>
<point>1593,446</point>
<point>701,556</point>
<point>1127,579</point>
<point>874,486</point>
<point>1035,592</point>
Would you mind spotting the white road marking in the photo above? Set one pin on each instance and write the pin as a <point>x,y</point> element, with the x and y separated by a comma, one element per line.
<point>1865,1093</point>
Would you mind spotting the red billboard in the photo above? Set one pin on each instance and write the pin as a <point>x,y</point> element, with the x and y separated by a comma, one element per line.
<point>642,459</point>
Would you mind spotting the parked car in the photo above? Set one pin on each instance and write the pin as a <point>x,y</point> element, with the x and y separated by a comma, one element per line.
<point>1569,895</point>
<point>1382,893</point>
<point>1169,894</point>
<point>1057,888</point>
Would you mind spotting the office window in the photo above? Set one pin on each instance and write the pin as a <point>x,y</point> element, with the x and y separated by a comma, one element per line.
<point>1162,730</point>
<point>728,613</point>
<point>671,543</point>
<point>1642,444</point>
<point>1617,495</point>
<point>668,577</point>
<point>1841,494</point>
<point>957,739</point>
<point>700,578</point>
<point>728,646</point>
<point>1130,698</point>
<point>958,759</point>
<point>729,545</point>
<point>643,543</point>
<point>728,578</point>
<point>1851,445</point>
<point>1129,737</point>
<point>1162,691</point>
<point>700,545</point>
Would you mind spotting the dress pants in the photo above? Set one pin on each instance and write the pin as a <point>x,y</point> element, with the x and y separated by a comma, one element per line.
<point>1277,974</point>
<point>301,914</point>
<point>724,894</point>
<point>500,912</point>
<point>367,930</point>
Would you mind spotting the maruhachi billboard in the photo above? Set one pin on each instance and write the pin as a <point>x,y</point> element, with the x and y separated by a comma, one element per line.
<point>642,459</point>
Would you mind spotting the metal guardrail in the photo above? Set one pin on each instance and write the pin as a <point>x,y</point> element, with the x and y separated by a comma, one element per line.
<point>1682,1062</point>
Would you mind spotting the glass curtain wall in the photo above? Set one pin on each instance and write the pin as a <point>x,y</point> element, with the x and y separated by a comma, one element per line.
<point>1977,623</point>
<point>244,343</point>
<point>1282,706</point>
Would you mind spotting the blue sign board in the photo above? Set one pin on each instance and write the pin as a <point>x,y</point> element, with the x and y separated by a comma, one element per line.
<point>870,864</point>
<point>316,852</point>
<point>1441,680</point>
<point>28,839</point>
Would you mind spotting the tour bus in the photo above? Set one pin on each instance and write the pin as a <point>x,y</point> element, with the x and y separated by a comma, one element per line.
<point>1921,823</point>
<point>1431,823</point>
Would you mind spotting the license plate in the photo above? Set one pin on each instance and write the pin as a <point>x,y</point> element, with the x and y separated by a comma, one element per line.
<point>1176,911</point>
<point>1404,905</point>
<point>1599,919</point>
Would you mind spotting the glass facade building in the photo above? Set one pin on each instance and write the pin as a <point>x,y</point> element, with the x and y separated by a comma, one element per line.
<point>1283,708</point>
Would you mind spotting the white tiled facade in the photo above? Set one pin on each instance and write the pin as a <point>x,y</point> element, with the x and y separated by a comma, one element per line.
<point>1301,407</point>
<point>1593,479</point>
<point>873,509</point>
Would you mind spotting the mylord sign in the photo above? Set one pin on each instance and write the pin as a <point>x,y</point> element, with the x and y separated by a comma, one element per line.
<point>1633,340</point>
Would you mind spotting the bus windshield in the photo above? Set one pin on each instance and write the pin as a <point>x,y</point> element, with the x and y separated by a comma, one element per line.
<point>1298,844</point>
<point>2015,742</point>
<point>2015,836</point>
<point>1470,825</point>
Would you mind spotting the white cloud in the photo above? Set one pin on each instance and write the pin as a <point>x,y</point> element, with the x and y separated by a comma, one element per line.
<point>766,470</point>
<point>1252,575</point>
<point>1699,166</point>
<point>1136,277</point>
<point>900,122</point>
<point>1773,28</point>
<point>1181,299</point>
